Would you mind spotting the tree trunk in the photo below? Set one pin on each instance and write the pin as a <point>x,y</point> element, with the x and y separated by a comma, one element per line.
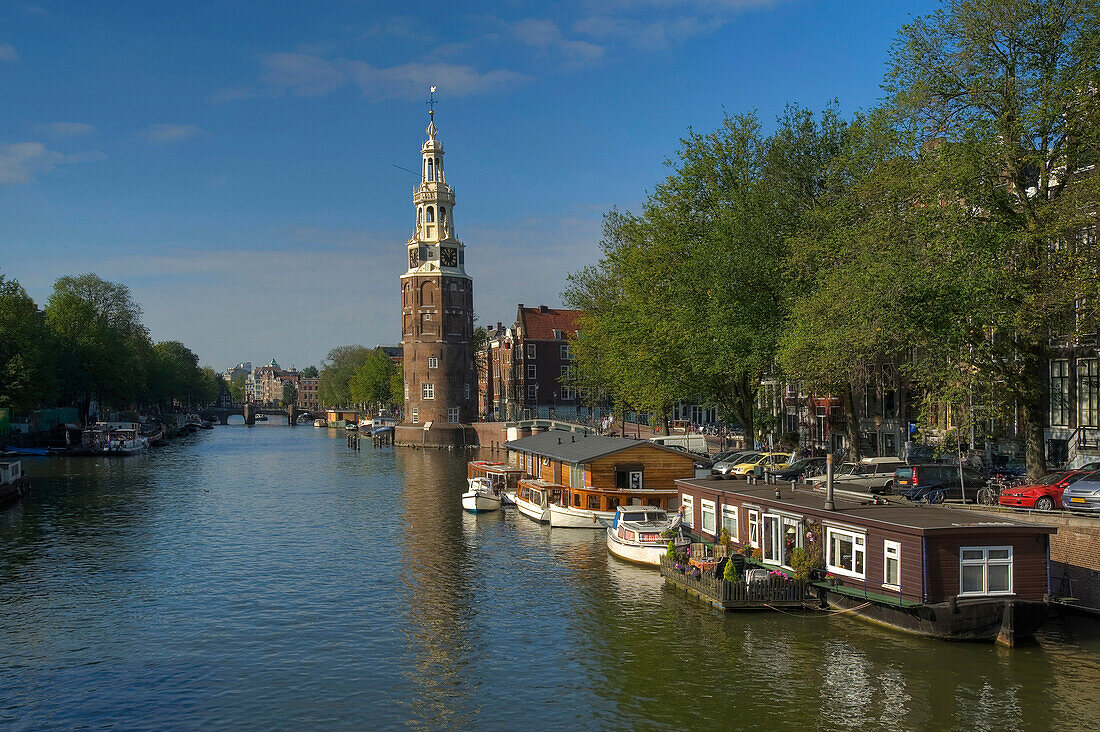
<point>851,420</point>
<point>664,421</point>
<point>1032,427</point>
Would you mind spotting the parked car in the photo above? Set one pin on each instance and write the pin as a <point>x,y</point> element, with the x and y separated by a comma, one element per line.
<point>1084,495</point>
<point>934,483</point>
<point>758,463</point>
<point>1044,494</point>
<point>874,475</point>
<point>838,470</point>
<point>800,469</point>
<point>725,461</point>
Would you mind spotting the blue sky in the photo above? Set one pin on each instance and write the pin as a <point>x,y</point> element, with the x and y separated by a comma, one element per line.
<point>232,162</point>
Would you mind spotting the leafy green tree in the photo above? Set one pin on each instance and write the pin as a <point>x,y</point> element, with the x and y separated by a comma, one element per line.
<point>290,393</point>
<point>103,342</point>
<point>341,363</point>
<point>372,382</point>
<point>236,388</point>
<point>1003,94</point>
<point>27,376</point>
<point>310,372</point>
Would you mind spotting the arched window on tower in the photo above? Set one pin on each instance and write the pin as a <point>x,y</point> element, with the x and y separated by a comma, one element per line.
<point>438,169</point>
<point>431,170</point>
<point>442,218</point>
<point>419,215</point>
<point>430,215</point>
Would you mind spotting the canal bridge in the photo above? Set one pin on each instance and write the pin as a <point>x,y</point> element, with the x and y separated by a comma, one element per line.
<point>249,412</point>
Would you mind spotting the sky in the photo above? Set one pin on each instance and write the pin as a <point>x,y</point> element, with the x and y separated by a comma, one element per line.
<point>236,163</point>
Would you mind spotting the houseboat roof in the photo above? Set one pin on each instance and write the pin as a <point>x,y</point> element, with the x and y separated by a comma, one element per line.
<point>541,483</point>
<point>571,447</point>
<point>918,517</point>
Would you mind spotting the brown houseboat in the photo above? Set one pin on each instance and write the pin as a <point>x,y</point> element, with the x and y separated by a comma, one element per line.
<point>600,473</point>
<point>503,478</point>
<point>929,570</point>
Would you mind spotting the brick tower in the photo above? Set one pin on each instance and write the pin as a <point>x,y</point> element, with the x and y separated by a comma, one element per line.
<point>437,316</point>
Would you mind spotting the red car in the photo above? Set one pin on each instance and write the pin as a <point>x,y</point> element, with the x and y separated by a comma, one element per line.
<point>1045,494</point>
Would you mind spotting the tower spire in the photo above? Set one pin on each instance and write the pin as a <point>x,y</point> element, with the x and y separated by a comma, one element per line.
<point>431,103</point>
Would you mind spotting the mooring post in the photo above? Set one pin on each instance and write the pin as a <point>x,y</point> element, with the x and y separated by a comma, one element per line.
<point>830,505</point>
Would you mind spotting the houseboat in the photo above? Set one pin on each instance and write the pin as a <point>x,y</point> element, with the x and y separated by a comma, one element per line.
<point>535,496</point>
<point>938,572</point>
<point>503,478</point>
<point>636,534</point>
<point>601,473</point>
<point>113,438</point>
<point>13,481</point>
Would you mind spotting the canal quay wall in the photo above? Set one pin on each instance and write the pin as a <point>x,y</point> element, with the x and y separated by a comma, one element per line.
<point>1074,553</point>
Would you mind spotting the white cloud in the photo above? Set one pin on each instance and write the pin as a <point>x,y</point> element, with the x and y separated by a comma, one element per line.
<point>67,129</point>
<point>7,52</point>
<point>306,75</point>
<point>409,81</point>
<point>21,161</point>
<point>546,35</point>
<point>166,133</point>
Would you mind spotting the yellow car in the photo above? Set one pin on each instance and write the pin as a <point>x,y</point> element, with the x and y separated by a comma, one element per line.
<point>766,461</point>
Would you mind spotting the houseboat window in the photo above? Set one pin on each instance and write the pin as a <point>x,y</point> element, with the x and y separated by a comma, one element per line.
<point>577,499</point>
<point>709,520</point>
<point>612,503</point>
<point>985,570</point>
<point>634,517</point>
<point>772,543</point>
<point>635,480</point>
<point>655,502</point>
<point>688,502</point>
<point>729,521</point>
<point>593,502</point>
<point>891,571</point>
<point>754,528</point>
<point>847,552</point>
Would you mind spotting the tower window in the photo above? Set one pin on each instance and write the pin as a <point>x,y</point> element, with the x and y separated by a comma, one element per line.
<point>431,172</point>
<point>415,415</point>
<point>430,214</point>
<point>427,391</point>
<point>433,362</point>
<point>442,216</point>
<point>452,415</point>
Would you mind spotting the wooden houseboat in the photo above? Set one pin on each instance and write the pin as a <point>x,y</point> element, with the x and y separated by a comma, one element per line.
<point>601,473</point>
<point>13,481</point>
<point>934,571</point>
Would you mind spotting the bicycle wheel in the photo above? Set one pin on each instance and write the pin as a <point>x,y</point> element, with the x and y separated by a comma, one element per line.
<point>987,497</point>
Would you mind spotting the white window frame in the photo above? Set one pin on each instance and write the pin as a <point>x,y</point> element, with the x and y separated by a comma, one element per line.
<point>532,371</point>
<point>427,390</point>
<point>532,392</point>
<point>985,563</point>
<point>452,415</point>
<point>433,362</point>
<point>708,508</point>
<point>415,415</point>
<point>891,552</point>
<point>730,512</point>
<point>467,386</point>
<point>688,502</point>
<point>566,352</point>
<point>859,546</point>
<point>754,528</point>
<point>531,350</point>
<point>406,390</point>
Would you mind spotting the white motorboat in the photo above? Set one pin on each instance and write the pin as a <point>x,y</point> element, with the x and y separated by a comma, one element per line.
<point>114,438</point>
<point>636,534</point>
<point>564,516</point>
<point>534,497</point>
<point>319,423</point>
<point>501,477</point>
<point>480,497</point>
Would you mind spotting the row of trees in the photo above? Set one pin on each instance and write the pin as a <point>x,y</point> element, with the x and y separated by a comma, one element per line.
<point>362,376</point>
<point>950,231</point>
<point>89,345</point>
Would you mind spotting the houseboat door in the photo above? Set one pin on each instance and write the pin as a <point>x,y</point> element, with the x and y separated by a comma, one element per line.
<point>772,540</point>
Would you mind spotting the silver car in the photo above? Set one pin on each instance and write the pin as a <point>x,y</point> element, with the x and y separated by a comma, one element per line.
<point>1084,495</point>
<point>727,460</point>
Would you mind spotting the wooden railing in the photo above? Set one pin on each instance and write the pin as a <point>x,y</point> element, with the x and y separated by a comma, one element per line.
<point>773,590</point>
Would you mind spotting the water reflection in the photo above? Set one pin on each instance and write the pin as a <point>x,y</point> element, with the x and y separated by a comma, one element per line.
<point>271,577</point>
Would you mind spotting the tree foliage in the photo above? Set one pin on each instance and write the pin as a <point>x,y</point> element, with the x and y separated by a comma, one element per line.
<point>27,376</point>
<point>373,382</point>
<point>340,365</point>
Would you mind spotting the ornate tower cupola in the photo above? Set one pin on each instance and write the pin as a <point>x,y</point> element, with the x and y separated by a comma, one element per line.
<point>437,300</point>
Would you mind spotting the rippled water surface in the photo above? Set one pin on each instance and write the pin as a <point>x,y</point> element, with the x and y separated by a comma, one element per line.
<point>271,577</point>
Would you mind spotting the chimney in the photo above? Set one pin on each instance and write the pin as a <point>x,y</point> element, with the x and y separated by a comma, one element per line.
<point>499,325</point>
<point>543,309</point>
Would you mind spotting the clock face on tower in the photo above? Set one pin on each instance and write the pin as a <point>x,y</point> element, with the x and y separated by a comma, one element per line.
<point>414,258</point>
<point>448,256</point>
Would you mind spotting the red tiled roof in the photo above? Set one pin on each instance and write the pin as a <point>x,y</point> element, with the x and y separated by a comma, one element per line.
<point>539,325</point>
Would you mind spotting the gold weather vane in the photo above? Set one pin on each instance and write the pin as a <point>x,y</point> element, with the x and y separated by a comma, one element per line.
<point>431,102</point>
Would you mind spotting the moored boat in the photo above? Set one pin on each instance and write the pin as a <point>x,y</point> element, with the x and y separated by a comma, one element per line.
<point>503,478</point>
<point>318,423</point>
<point>534,497</point>
<point>479,496</point>
<point>636,534</point>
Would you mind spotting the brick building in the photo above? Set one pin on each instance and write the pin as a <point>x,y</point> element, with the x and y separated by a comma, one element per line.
<point>526,370</point>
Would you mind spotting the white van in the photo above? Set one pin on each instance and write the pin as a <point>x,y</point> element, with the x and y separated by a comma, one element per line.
<point>693,443</point>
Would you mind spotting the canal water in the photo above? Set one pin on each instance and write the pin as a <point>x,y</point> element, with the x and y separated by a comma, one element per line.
<point>271,577</point>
